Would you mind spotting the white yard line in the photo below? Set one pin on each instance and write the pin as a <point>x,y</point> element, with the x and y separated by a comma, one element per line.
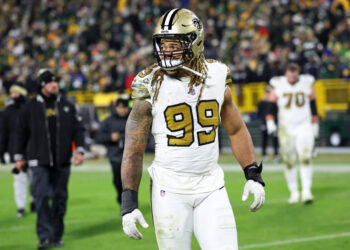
<point>296,240</point>
<point>250,246</point>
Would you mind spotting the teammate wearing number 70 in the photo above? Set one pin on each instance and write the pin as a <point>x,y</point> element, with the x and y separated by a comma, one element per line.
<point>182,99</point>
<point>297,127</point>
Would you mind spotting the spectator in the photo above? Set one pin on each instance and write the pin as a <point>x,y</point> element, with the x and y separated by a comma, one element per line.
<point>47,126</point>
<point>112,134</point>
<point>18,95</point>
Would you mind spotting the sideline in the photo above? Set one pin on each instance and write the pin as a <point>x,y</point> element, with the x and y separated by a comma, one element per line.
<point>232,168</point>
<point>339,168</point>
<point>320,150</point>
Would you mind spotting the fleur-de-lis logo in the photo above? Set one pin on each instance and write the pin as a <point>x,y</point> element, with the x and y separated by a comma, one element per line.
<point>197,23</point>
<point>50,112</point>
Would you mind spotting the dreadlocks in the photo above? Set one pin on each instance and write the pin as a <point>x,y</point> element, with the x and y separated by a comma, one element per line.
<point>198,64</point>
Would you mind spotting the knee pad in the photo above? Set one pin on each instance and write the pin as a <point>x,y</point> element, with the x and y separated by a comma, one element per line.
<point>306,162</point>
<point>289,161</point>
<point>305,157</point>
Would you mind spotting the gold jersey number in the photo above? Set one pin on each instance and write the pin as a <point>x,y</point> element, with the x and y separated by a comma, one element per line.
<point>299,99</point>
<point>179,118</point>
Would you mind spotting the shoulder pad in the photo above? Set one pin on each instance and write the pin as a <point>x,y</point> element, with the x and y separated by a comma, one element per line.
<point>228,77</point>
<point>214,61</point>
<point>309,78</point>
<point>140,84</point>
<point>211,60</point>
<point>274,80</point>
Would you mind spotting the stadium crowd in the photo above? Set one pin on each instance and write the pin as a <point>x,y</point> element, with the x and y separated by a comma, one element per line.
<point>101,45</point>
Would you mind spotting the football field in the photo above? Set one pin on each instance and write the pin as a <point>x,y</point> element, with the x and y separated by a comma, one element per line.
<point>93,218</point>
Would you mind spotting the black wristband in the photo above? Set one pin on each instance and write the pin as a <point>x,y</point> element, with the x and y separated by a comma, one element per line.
<point>271,108</point>
<point>253,172</point>
<point>129,201</point>
<point>313,107</point>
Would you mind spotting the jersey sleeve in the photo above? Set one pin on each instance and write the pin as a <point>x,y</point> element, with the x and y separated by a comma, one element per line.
<point>221,68</point>
<point>140,86</point>
<point>273,81</point>
<point>310,79</point>
<point>308,82</point>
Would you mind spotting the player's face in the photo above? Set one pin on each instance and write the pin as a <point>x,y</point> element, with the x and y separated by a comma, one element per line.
<point>122,111</point>
<point>50,88</point>
<point>172,50</point>
<point>15,94</point>
<point>292,76</point>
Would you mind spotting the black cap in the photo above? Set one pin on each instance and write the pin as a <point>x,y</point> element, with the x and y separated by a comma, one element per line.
<point>45,76</point>
<point>122,102</point>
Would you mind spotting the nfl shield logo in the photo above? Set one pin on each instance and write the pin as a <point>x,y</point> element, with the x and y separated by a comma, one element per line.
<point>162,193</point>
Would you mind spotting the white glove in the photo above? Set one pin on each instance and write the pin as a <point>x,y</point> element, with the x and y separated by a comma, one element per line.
<point>129,224</point>
<point>271,127</point>
<point>315,129</point>
<point>256,189</point>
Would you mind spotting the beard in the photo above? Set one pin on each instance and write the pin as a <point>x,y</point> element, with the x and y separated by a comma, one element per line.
<point>173,73</point>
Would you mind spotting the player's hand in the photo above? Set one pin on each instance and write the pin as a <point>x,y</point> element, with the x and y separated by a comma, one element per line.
<point>271,127</point>
<point>115,136</point>
<point>129,224</point>
<point>256,189</point>
<point>315,129</point>
<point>20,165</point>
<point>78,159</point>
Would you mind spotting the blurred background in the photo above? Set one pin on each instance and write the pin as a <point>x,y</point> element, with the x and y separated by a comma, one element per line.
<point>97,47</point>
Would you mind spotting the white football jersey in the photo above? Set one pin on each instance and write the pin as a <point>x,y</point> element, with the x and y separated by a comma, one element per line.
<point>186,134</point>
<point>293,100</point>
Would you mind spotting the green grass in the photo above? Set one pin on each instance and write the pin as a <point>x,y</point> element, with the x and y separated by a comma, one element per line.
<point>93,220</point>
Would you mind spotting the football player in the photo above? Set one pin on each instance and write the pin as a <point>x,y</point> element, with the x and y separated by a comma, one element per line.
<point>298,127</point>
<point>182,99</point>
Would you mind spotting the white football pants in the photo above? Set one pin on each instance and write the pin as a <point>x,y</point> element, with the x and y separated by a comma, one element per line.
<point>208,215</point>
<point>297,144</point>
<point>20,188</point>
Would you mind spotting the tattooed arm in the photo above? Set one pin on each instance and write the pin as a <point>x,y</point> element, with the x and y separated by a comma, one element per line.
<point>136,133</point>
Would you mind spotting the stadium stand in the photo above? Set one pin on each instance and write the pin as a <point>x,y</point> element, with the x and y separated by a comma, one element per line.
<point>99,46</point>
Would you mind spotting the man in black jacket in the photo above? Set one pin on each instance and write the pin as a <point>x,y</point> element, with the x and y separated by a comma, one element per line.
<point>47,126</point>
<point>262,112</point>
<point>8,122</point>
<point>112,134</point>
